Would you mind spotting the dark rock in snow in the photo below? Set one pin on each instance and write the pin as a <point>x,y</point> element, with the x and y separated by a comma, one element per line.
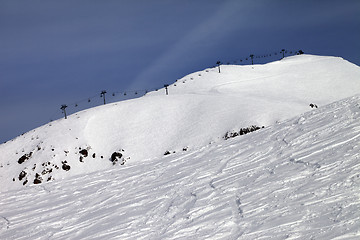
<point>313,105</point>
<point>242,131</point>
<point>22,175</point>
<point>38,179</point>
<point>24,157</point>
<point>115,157</point>
<point>84,152</point>
<point>65,166</point>
<point>47,170</point>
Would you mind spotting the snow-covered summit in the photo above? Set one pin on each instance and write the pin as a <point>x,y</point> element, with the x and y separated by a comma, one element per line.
<point>200,109</point>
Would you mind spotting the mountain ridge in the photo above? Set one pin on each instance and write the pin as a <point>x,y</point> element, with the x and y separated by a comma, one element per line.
<point>200,109</point>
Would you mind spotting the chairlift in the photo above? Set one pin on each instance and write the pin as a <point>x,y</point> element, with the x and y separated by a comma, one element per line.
<point>63,107</point>
<point>102,94</point>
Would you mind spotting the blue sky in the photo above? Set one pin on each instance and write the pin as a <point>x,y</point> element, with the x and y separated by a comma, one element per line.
<point>64,52</point>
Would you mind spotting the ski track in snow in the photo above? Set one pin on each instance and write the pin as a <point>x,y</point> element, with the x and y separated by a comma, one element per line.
<point>299,179</point>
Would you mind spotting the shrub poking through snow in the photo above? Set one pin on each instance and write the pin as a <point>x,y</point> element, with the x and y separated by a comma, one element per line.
<point>242,131</point>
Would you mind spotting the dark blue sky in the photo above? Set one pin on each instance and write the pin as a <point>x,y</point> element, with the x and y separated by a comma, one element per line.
<point>63,52</point>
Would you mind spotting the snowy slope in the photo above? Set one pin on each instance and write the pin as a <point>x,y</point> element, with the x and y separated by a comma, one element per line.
<point>199,110</point>
<point>297,179</point>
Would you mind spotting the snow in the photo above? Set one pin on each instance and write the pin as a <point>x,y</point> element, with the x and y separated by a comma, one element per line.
<point>297,178</point>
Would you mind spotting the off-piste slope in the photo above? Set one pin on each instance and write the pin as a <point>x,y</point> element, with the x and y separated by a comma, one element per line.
<point>297,179</point>
<point>200,108</point>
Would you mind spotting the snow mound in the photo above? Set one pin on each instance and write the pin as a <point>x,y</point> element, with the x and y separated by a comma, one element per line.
<point>201,108</point>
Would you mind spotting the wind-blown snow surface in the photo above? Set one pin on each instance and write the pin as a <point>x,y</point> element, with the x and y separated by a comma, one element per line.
<point>298,179</point>
<point>199,109</point>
